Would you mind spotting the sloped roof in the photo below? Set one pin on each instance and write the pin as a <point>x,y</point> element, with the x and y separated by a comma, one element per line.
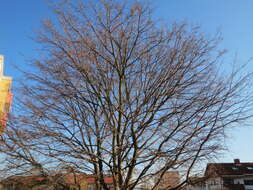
<point>68,178</point>
<point>74,178</point>
<point>91,179</point>
<point>23,179</point>
<point>243,168</point>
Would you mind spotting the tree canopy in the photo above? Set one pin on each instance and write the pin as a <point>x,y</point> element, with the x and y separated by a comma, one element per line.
<point>115,93</point>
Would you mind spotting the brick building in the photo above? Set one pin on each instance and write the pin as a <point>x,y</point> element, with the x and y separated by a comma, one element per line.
<point>169,180</point>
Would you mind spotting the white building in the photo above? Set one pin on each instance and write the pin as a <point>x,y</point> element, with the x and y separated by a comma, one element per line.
<point>229,176</point>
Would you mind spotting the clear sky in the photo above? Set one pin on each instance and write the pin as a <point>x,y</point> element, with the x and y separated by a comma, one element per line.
<point>233,18</point>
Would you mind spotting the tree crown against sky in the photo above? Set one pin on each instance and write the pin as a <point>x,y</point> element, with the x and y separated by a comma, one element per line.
<point>116,94</point>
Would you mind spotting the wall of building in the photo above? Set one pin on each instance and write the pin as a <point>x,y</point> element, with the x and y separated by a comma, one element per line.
<point>191,187</point>
<point>217,183</point>
<point>248,187</point>
<point>5,96</point>
<point>214,184</point>
<point>169,180</point>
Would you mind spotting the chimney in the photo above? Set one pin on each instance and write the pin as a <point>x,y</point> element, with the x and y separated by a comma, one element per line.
<point>237,161</point>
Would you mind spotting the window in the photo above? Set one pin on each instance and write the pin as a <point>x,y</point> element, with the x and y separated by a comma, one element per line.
<point>6,108</point>
<point>235,168</point>
<point>248,182</point>
<point>250,168</point>
<point>213,182</point>
<point>228,181</point>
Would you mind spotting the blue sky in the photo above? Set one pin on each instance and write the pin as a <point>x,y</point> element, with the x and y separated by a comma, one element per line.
<point>233,18</point>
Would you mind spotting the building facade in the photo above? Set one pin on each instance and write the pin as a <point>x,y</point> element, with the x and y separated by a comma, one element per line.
<point>169,180</point>
<point>5,96</point>
<point>229,176</point>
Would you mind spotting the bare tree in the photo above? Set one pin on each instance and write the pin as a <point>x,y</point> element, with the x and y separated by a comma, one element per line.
<point>114,93</point>
<point>24,162</point>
